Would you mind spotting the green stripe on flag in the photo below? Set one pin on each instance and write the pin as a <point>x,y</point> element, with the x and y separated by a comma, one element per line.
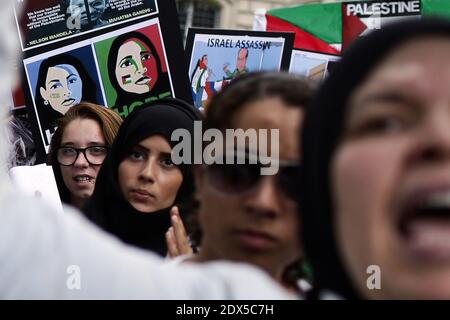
<point>436,7</point>
<point>321,20</point>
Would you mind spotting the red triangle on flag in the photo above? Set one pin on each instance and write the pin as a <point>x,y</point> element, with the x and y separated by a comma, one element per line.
<point>352,27</point>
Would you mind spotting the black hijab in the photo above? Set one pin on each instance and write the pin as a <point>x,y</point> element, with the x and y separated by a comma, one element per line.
<point>108,208</point>
<point>322,131</point>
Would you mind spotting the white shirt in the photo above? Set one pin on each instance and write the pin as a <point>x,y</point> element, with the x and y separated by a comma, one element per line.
<point>49,255</point>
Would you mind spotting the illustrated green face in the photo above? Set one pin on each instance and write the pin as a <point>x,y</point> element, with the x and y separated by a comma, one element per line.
<point>136,67</point>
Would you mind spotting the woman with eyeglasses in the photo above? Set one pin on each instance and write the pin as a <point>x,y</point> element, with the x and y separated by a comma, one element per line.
<point>138,183</point>
<point>245,216</point>
<point>78,149</point>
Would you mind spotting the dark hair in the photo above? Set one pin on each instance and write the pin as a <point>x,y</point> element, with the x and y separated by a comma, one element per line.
<point>294,91</point>
<point>124,97</point>
<point>89,86</point>
<point>108,206</point>
<point>322,132</point>
<point>291,89</point>
<point>109,122</point>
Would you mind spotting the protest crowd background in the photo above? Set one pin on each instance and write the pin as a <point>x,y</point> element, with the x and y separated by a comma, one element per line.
<point>225,150</point>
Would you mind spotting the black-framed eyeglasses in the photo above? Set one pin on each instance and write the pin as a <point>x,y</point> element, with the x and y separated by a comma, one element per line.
<point>94,155</point>
<point>237,178</point>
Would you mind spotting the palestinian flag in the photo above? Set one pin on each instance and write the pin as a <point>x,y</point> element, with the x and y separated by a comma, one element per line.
<point>330,27</point>
<point>436,7</point>
<point>317,26</point>
<point>359,18</point>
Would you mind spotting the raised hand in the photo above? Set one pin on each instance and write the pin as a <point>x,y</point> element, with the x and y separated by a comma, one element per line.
<point>176,237</point>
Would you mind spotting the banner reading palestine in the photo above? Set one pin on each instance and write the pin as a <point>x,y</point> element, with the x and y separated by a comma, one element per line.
<point>317,27</point>
<point>329,27</point>
<point>360,18</point>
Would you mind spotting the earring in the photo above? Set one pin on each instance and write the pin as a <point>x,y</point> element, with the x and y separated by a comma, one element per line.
<point>46,102</point>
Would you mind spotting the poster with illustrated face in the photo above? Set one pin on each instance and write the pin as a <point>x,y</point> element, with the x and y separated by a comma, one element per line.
<point>133,59</point>
<point>133,67</point>
<point>59,80</point>
<point>47,21</point>
<point>312,65</point>
<point>216,57</point>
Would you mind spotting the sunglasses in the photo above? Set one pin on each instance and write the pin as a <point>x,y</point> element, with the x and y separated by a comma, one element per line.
<point>239,178</point>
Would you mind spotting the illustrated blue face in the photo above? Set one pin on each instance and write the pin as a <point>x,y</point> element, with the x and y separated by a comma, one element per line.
<point>74,82</point>
<point>63,87</point>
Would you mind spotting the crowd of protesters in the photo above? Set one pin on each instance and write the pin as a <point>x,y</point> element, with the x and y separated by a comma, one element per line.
<point>359,207</point>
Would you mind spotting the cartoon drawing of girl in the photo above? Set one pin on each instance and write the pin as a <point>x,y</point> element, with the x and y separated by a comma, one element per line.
<point>135,70</point>
<point>62,83</point>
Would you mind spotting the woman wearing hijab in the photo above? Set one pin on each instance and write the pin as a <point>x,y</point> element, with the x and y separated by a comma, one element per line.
<point>38,246</point>
<point>138,184</point>
<point>376,145</point>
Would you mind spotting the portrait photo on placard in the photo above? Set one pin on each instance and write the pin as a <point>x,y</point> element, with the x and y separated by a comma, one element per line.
<point>47,21</point>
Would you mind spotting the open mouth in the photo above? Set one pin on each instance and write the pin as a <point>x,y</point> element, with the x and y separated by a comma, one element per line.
<point>83,179</point>
<point>143,80</point>
<point>425,224</point>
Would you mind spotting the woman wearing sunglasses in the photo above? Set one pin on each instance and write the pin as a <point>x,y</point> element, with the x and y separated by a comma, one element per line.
<point>245,216</point>
<point>138,183</point>
<point>78,148</point>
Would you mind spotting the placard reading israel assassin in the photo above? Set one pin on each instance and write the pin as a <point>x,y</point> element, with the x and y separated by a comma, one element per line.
<point>359,18</point>
<point>216,57</point>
